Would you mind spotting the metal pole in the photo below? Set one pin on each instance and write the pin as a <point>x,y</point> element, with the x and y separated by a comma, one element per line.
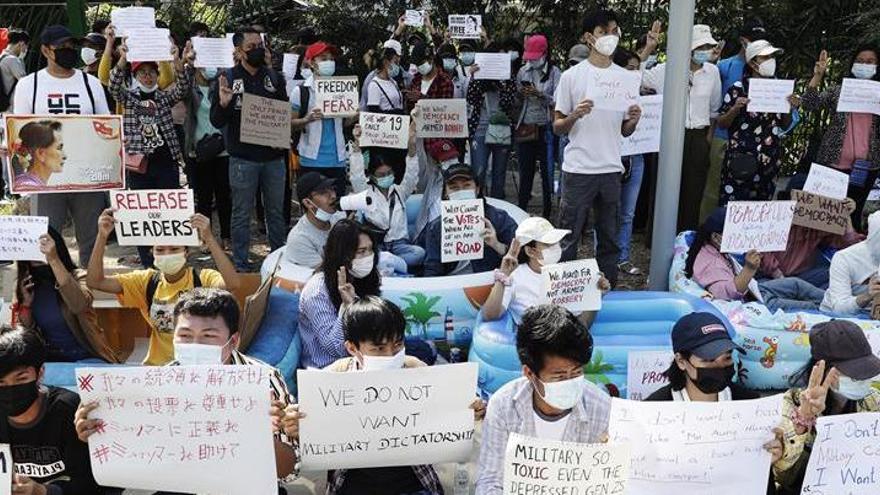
<point>675,87</point>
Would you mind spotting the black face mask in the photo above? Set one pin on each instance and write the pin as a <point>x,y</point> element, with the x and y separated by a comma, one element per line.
<point>16,399</point>
<point>256,57</point>
<point>67,58</point>
<point>42,273</point>
<point>713,380</point>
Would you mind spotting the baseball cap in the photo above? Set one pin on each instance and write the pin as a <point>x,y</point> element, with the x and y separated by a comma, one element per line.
<point>394,45</point>
<point>702,35</point>
<point>578,53</point>
<point>137,65</point>
<point>441,150</point>
<point>715,221</point>
<point>420,53</point>
<point>843,345</point>
<point>702,334</point>
<point>753,29</point>
<point>318,48</point>
<point>539,229</point>
<point>458,170</point>
<point>96,39</point>
<point>536,47</point>
<point>56,34</point>
<point>761,48</point>
<point>311,182</point>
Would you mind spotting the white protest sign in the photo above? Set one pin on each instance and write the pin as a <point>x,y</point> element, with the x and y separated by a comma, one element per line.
<point>129,18</point>
<point>535,466</point>
<point>759,225</point>
<point>770,95</point>
<point>386,418</point>
<point>493,66</point>
<point>20,237</point>
<point>696,447</point>
<point>825,181</point>
<point>844,455</point>
<point>573,285</point>
<point>462,224</point>
<point>265,121</point>
<point>615,90</point>
<point>859,96</point>
<point>5,469</point>
<point>213,52</point>
<point>337,96</point>
<point>288,66</point>
<point>154,217</point>
<point>149,45</point>
<point>465,26</point>
<point>644,372</point>
<point>646,138</point>
<point>414,18</point>
<point>173,428</point>
<point>384,130</point>
<point>442,118</point>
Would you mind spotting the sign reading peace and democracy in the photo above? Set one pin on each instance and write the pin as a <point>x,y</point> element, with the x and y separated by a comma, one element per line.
<point>173,428</point>
<point>442,118</point>
<point>265,121</point>
<point>696,447</point>
<point>384,130</point>
<point>759,225</point>
<point>20,237</point>
<point>820,213</point>
<point>827,182</point>
<point>213,52</point>
<point>463,223</point>
<point>646,138</point>
<point>149,45</point>
<point>154,217</point>
<point>615,90</point>
<point>5,468</point>
<point>535,466</point>
<point>573,285</point>
<point>465,26</point>
<point>844,457</point>
<point>129,18</point>
<point>337,96</point>
<point>386,418</point>
<point>769,95</point>
<point>645,372</point>
<point>859,96</point>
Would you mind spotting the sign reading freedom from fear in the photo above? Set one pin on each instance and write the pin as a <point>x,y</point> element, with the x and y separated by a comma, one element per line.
<point>154,217</point>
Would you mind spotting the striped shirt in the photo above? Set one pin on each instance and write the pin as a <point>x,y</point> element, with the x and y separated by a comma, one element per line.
<point>320,327</point>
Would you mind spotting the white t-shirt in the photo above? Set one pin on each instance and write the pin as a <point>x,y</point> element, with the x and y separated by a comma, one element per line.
<point>526,290</point>
<point>59,96</point>
<point>390,100</point>
<point>594,140</point>
<point>426,85</point>
<point>550,430</point>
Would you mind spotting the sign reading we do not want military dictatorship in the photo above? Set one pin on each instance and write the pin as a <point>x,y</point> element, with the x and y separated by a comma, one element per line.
<point>154,217</point>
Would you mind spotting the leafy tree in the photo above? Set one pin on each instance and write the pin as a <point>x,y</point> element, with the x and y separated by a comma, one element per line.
<point>420,310</point>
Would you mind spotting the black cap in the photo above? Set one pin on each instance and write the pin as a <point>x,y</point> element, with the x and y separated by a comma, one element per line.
<point>458,170</point>
<point>311,182</point>
<point>56,34</point>
<point>715,221</point>
<point>702,334</point>
<point>96,39</point>
<point>421,52</point>
<point>753,29</point>
<point>843,345</point>
<point>447,49</point>
<point>467,46</point>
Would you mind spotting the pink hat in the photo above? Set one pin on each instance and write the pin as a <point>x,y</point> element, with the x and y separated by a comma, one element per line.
<point>536,47</point>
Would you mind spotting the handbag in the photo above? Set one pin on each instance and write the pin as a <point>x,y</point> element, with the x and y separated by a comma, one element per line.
<point>209,147</point>
<point>527,133</point>
<point>743,166</point>
<point>254,311</point>
<point>499,129</point>
<point>136,163</point>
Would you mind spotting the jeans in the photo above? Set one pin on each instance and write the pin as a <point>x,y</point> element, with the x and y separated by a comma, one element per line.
<point>162,173</point>
<point>212,188</point>
<point>413,255</point>
<point>244,177</point>
<point>629,198</point>
<point>529,153</point>
<point>84,208</point>
<point>480,152</point>
<point>790,294</point>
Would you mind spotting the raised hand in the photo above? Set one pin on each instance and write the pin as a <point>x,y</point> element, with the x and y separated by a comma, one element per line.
<point>84,426</point>
<point>821,64</point>
<point>189,54</point>
<point>753,259</point>
<point>226,93</point>
<point>290,421</point>
<point>510,261</point>
<point>202,225</point>
<point>106,222</point>
<point>48,247</point>
<point>346,290</point>
<point>813,397</point>
<point>653,39</point>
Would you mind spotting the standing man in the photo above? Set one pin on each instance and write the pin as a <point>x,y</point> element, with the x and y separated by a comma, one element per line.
<point>591,167</point>
<point>12,65</point>
<point>61,89</point>
<point>250,165</point>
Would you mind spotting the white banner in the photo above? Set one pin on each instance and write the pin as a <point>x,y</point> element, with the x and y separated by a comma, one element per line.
<point>414,18</point>
<point>614,90</point>
<point>644,372</point>
<point>573,285</point>
<point>20,237</point>
<point>213,52</point>
<point>760,225</point>
<point>446,118</point>
<point>154,217</point>
<point>462,224</point>
<point>859,96</point>
<point>149,45</point>
<point>825,181</point>
<point>646,138</point>
<point>5,469</point>
<point>769,95</point>
<point>129,18</point>
<point>844,455</point>
<point>493,66</point>
<point>465,26</point>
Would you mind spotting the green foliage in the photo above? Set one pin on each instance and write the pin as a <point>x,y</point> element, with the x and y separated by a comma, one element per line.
<point>420,310</point>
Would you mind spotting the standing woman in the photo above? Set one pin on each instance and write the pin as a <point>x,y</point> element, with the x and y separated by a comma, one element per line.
<point>384,96</point>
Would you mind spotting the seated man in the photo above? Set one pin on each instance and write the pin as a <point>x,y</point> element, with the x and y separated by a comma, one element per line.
<point>460,184</point>
<point>37,423</point>
<point>552,400</point>
<point>853,281</point>
<point>317,198</point>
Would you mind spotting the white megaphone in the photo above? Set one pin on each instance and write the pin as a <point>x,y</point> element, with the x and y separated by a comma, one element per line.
<point>361,201</point>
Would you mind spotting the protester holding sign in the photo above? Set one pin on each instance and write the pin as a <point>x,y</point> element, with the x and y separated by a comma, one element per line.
<point>36,421</point>
<point>853,279</point>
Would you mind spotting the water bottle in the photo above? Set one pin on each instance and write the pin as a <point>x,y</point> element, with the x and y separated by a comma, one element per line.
<point>461,479</point>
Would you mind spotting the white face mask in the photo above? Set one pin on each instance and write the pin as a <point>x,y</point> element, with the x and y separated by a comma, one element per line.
<point>864,71</point>
<point>767,68</point>
<point>853,389</point>
<point>537,64</point>
<point>148,89</point>
<point>326,68</point>
<point>425,68</point>
<point>565,394</point>
<point>306,72</point>
<point>394,362</point>
<point>462,194</point>
<point>191,353</point>
<point>170,264</point>
<point>361,267</point>
<point>551,255</point>
<point>88,55</point>
<point>607,44</point>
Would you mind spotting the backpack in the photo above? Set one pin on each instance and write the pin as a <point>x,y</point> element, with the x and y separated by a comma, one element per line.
<point>85,81</point>
<point>5,100</point>
<point>304,95</point>
<point>153,284</point>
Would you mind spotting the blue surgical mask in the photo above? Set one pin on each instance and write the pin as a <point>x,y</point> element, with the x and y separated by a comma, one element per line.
<point>853,389</point>
<point>384,182</point>
<point>425,68</point>
<point>326,68</point>
<point>462,195</point>
<point>564,395</point>
<point>209,73</point>
<point>448,64</point>
<point>467,58</point>
<point>864,71</point>
<point>702,56</point>
<point>394,71</point>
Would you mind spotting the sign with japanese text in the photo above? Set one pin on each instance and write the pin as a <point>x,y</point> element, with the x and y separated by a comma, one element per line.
<point>759,225</point>
<point>462,225</point>
<point>154,217</point>
<point>384,130</point>
<point>265,121</point>
<point>337,96</point>
<point>20,237</point>
<point>442,118</point>
<point>573,285</point>
<point>5,469</point>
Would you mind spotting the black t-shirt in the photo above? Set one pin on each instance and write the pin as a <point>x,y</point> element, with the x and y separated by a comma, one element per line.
<point>381,481</point>
<point>48,450</point>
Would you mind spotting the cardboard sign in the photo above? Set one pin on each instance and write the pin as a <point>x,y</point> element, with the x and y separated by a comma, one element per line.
<point>265,121</point>
<point>463,27</point>
<point>535,466</point>
<point>770,95</point>
<point>573,285</point>
<point>493,66</point>
<point>5,468</point>
<point>696,447</point>
<point>646,138</point>
<point>820,213</point>
<point>442,119</point>
<point>386,418</point>
<point>759,225</point>
<point>384,130</point>
<point>86,154</point>
<point>614,90</point>
<point>149,45</point>
<point>644,372</point>
<point>414,18</point>
<point>20,237</point>
<point>462,224</point>
<point>154,217</point>
<point>213,52</point>
<point>859,96</point>
<point>130,18</point>
<point>825,181</point>
<point>337,96</point>
<point>844,455</point>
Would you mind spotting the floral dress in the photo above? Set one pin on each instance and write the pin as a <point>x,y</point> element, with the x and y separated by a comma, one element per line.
<point>755,134</point>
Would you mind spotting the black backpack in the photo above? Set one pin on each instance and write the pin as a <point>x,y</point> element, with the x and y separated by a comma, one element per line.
<point>153,284</point>
<point>5,101</point>
<point>304,95</point>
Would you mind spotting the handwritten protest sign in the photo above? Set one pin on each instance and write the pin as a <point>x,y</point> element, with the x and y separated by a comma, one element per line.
<point>770,95</point>
<point>644,372</point>
<point>20,237</point>
<point>646,138</point>
<point>213,52</point>
<point>384,130</point>
<point>844,455</point>
<point>154,217</point>
<point>493,66</point>
<point>696,447</point>
<point>462,223</point>
<point>859,96</point>
<point>414,18</point>
<point>86,154</point>
<point>337,96</point>
<point>265,121</point>
<point>827,182</point>
<point>615,90</point>
<point>129,18</point>
<point>465,26</point>
<point>820,213</point>
<point>442,119</point>
<point>573,285</point>
<point>175,427</point>
<point>149,45</point>
<point>759,225</point>
<point>386,418</point>
<point>535,466</point>
<point>288,66</point>
<point>5,468</point>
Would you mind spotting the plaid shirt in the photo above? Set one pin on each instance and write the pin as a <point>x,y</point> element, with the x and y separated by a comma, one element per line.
<point>138,113</point>
<point>511,410</point>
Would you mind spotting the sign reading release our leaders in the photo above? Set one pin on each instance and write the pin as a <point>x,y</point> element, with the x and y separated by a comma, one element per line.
<point>574,285</point>
<point>462,224</point>
<point>386,418</point>
<point>154,217</point>
<point>759,225</point>
<point>844,455</point>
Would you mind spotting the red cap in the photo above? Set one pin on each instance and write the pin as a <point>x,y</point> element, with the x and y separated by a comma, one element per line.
<point>441,149</point>
<point>137,65</point>
<point>318,48</point>
<point>536,47</point>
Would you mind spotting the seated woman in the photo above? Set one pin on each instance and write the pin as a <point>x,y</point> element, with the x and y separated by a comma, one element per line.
<point>727,280</point>
<point>348,272</point>
<point>853,282</point>
<point>53,299</point>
